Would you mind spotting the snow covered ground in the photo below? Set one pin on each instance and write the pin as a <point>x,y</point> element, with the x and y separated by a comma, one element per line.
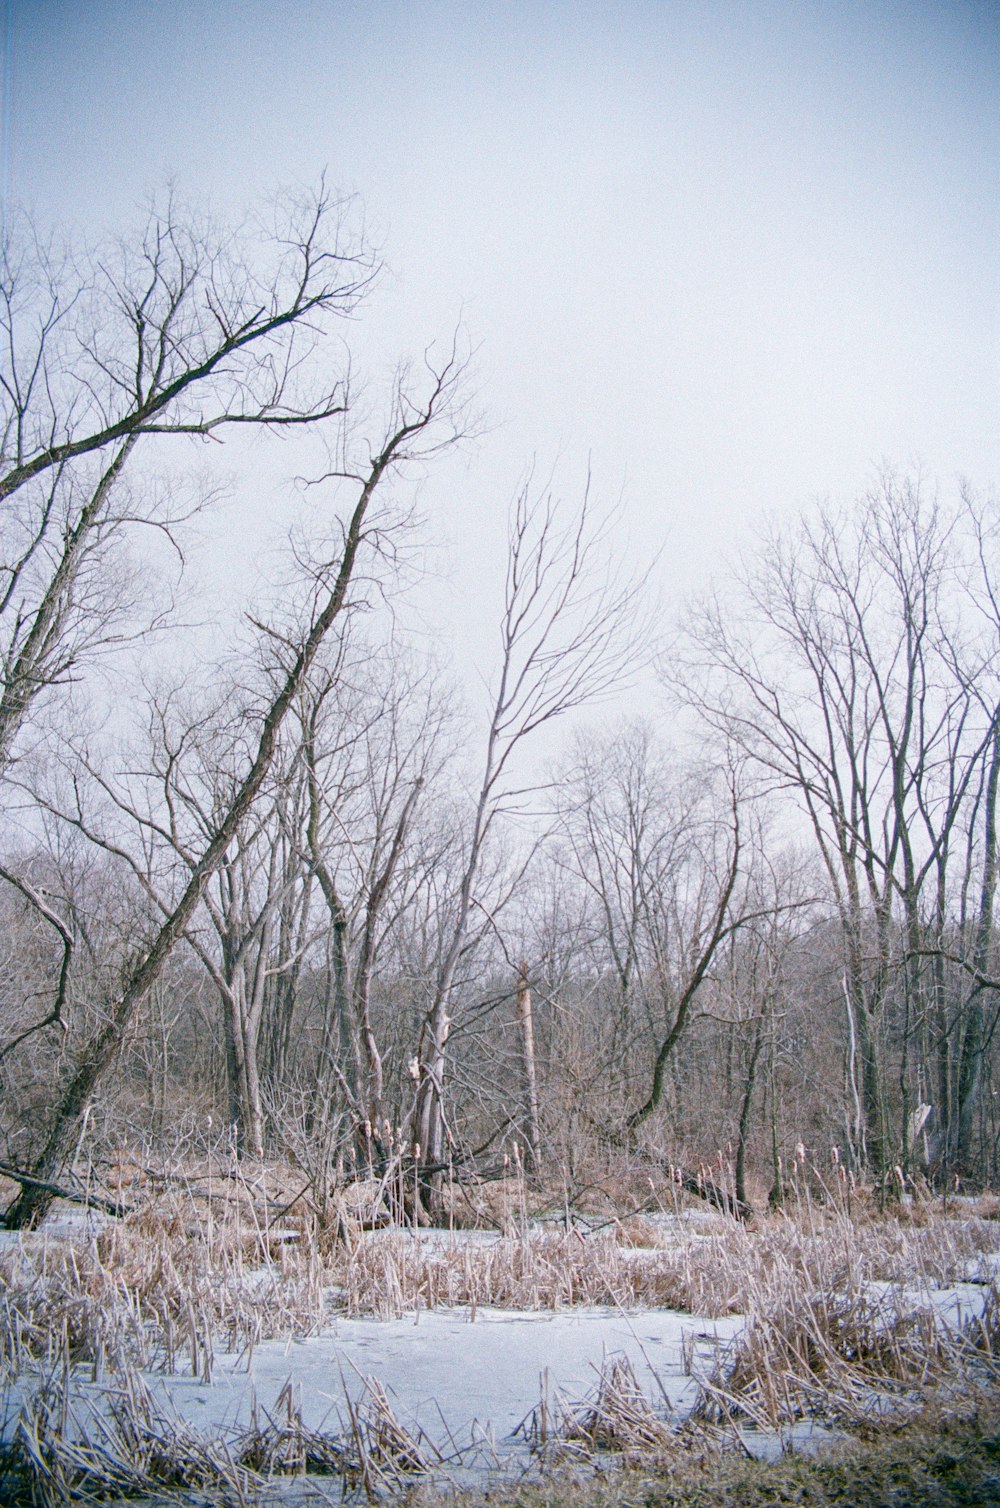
<point>457,1379</point>
<point>463,1379</point>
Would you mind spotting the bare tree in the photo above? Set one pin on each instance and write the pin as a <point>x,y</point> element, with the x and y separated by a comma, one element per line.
<point>714,864</point>
<point>242,945</point>
<point>370,752</point>
<point>663,866</point>
<point>837,660</point>
<point>962,1061</point>
<point>186,330</point>
<point>571,631</point>
<point>419,426</point>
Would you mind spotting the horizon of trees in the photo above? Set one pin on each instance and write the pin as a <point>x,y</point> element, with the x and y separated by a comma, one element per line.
<point>312,898</point>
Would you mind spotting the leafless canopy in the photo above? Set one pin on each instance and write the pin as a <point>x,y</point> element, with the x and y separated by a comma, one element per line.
<point>186,329</point>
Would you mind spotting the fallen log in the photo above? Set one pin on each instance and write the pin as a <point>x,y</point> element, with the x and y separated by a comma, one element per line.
<point>76,1196</point>
<point>706,1188</point>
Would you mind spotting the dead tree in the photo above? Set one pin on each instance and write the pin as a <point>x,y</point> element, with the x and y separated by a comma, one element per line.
<point>184,330</point>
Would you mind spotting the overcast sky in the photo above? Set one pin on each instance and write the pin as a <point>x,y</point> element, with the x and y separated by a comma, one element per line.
<point>738,254</point>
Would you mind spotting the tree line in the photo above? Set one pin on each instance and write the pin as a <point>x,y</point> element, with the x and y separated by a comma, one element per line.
<point>310,897</point>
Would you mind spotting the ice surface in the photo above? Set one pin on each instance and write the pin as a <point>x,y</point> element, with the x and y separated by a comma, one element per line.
<point>451,1375</point>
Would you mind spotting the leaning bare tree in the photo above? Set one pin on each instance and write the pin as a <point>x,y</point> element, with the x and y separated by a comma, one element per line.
<point>107,354</point>
<point>420,424</point>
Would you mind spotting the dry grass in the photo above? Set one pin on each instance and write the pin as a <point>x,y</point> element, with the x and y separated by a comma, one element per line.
<point>228,1263</point>
<point>131,1445</point>
<point>388,1455</point>
<point>186,1274</point>
<point>63,1451</point>
<point>638,1262</point>
<point>393,1273</point>
<point>846,1357</point>
<point>617,1417</point>
<point>933,1461</point>
<point>141,1297</point>
<point>281,1444</point>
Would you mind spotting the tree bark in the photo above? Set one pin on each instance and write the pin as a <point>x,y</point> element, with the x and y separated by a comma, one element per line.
<point>743,1131</point>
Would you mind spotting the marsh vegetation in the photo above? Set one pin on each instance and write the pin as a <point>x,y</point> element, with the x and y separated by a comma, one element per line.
<point>220,1339</point>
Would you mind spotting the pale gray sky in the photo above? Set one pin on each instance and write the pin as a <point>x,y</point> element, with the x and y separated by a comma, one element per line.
<point>738,253</point>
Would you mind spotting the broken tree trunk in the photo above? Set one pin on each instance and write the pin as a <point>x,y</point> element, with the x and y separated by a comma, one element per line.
<point>526,1027</point>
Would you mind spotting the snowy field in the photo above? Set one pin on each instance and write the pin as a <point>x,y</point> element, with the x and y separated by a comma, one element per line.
<point>465,1381</point>
<point>457,1380</point>
<point>471,1384</point>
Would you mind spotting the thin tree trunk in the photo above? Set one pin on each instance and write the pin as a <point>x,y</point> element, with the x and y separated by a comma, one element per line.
<point>526,1028</point>
<point>746,1106</point>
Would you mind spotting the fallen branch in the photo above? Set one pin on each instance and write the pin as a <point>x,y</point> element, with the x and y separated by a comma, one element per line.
<point>76,1196</point>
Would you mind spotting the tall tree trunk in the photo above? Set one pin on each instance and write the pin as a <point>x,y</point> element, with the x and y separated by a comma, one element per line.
<point>743,1131</point>
<point>864,998</point>
<point>103,1048</point>
<point>970,1075</point>
<point>526,1030</point>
